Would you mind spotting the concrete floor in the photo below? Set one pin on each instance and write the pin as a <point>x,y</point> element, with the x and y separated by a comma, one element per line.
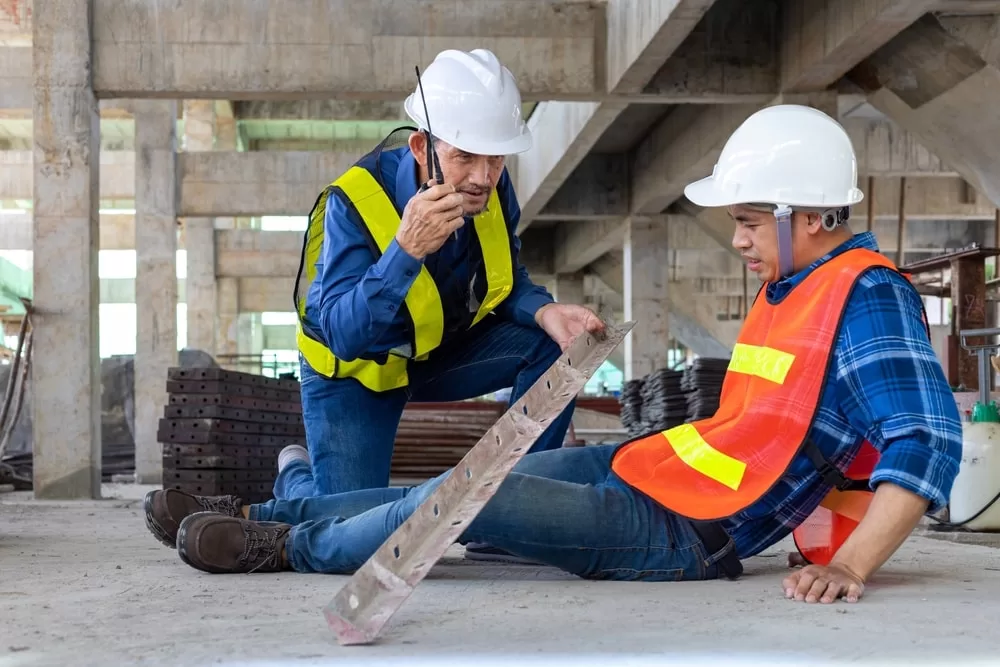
<point>85,584</point>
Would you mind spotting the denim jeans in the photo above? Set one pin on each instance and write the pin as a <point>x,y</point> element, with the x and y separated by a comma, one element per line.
<point>564,508</point>
<point>351,430</point>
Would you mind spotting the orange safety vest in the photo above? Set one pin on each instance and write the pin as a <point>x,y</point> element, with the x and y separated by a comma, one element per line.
<point>716,467</point>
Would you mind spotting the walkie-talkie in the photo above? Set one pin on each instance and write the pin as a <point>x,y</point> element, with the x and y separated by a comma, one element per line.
<point>432,158</point>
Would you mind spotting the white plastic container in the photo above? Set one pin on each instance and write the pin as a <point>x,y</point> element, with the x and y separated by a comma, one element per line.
<point>978,478</point>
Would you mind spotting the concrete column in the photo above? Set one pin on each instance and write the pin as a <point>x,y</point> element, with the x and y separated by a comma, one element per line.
<point>156,276</point>
<point>66,379</point>
<point>646,282</point>
<point>199,237</point>
<point>250,334</point>
<point>227,335</point>
<point>568,288</point>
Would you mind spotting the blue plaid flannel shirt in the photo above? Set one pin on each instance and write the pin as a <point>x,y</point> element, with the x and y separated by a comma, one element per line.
<point>886,385</point>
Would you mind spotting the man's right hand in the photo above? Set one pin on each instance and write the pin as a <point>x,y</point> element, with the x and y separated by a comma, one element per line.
<point>429,218</point>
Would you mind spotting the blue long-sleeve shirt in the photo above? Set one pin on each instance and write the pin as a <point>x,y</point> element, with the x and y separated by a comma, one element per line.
<point>353,305</point>
<point>885,385</point>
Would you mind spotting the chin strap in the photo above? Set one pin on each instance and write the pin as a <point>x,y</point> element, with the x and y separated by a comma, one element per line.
<point>783,214</point>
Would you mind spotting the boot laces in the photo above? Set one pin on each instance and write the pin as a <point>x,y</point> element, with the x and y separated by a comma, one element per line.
<point>228,505</point>
<point>260,547</point>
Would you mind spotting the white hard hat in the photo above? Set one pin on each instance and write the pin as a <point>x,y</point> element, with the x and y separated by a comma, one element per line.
<point>473,104</point>
<point>787,154</point>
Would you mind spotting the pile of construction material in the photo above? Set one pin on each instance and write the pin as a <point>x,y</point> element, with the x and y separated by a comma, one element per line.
<point>703,384</point>
<point>667,398</point>
<point>222,431</point>
<point>433,437</point>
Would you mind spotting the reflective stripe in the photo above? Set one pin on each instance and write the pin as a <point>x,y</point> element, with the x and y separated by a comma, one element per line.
<point>763,362</point>
<point>499,267</point>
<point>422,300</point>
<point>692,449</point>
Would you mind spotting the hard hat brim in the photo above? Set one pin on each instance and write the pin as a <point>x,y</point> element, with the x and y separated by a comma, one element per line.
<point>707,194</point>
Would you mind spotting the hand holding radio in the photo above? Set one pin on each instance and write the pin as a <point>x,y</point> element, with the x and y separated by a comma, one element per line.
<point>428,219</point>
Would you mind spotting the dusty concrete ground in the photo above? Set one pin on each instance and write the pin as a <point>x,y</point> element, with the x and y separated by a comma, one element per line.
<point>85,584</point>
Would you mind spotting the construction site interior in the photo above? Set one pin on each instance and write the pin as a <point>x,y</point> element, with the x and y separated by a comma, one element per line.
<point>219,122</point>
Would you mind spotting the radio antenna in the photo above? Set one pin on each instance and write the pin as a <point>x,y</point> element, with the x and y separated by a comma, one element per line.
<point>432,157</point>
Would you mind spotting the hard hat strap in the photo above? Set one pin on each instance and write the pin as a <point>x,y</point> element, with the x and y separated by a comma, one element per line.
<point>783,214</point>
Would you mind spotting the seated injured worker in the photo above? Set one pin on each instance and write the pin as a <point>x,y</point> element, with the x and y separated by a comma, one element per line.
<point>833,377</point>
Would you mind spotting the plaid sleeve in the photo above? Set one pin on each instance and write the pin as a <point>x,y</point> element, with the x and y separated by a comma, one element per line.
<point>893,390</point>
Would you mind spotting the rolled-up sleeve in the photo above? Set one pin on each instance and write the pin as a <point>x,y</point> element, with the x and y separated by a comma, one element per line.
<point>893,390</point>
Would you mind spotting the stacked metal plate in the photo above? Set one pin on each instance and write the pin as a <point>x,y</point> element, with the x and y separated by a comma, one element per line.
<point>664,404</point>
<point>656,402</point>
<point>222,431</point>
<point>630,402</point>
<point>703,381</point>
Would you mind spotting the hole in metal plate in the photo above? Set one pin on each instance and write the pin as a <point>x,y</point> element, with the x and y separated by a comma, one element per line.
<point>468,473</point>
<point>395,551</point>
<point>548,385</point>
<point>524,408</point>
<point>437,511</point>
<point>498,438</point>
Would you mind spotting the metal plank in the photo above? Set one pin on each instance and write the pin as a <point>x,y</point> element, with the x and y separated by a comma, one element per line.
<point>378,588</point>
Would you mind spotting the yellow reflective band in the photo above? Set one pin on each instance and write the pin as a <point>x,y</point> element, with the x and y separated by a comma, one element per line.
<point>763,362</point>
<point>692,449</point>
<point>423,300</point>
<point>491,228</point>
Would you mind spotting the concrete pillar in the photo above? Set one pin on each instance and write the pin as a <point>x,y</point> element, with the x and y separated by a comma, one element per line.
<point>199,238</point>
<point>227,335</point>
<point>66,379</point>
<point>646,268</point>
<point>568,288</point>
<point>156,276</point>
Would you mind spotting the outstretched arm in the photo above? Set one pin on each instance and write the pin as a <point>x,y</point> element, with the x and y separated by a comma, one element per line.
<point>893,390</point>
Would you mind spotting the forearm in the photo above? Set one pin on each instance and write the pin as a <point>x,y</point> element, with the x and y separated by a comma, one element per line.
<point>525,300</point>
<point>352,321</point>
<point>892,515</point>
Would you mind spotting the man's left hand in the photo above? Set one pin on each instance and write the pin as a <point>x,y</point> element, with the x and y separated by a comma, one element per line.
<point>563,322</point>
<point>816,583</point>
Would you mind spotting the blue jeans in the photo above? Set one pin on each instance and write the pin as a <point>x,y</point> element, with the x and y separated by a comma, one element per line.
<point>564,508</point>
<point>351,430</point>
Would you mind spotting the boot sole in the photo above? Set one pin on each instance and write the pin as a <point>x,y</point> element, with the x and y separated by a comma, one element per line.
<point>154,527</point>
<point>181,540</point>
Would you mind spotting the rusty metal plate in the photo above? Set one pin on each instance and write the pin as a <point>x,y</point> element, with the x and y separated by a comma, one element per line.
<point>249,492</point>
<point>238,377</point>
<point>237,401</point>
<point>230,426</point>
<point>378,588</point>
<point>183,437</point>
<point>231,389</point>
<point>232,414</point>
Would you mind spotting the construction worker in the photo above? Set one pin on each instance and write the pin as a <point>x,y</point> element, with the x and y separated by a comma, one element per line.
<point>411,294</point>
<point>832,359</point>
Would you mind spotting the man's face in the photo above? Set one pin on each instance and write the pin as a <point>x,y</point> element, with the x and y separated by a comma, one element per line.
<point>474,176</point>
<point>756,239</point>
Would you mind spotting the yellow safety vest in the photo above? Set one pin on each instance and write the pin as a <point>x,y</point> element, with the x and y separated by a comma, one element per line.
<point>423,302</point>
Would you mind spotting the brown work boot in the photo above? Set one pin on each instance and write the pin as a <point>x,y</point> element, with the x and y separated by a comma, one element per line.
<point>165,509</point>
<point>221,544</point>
